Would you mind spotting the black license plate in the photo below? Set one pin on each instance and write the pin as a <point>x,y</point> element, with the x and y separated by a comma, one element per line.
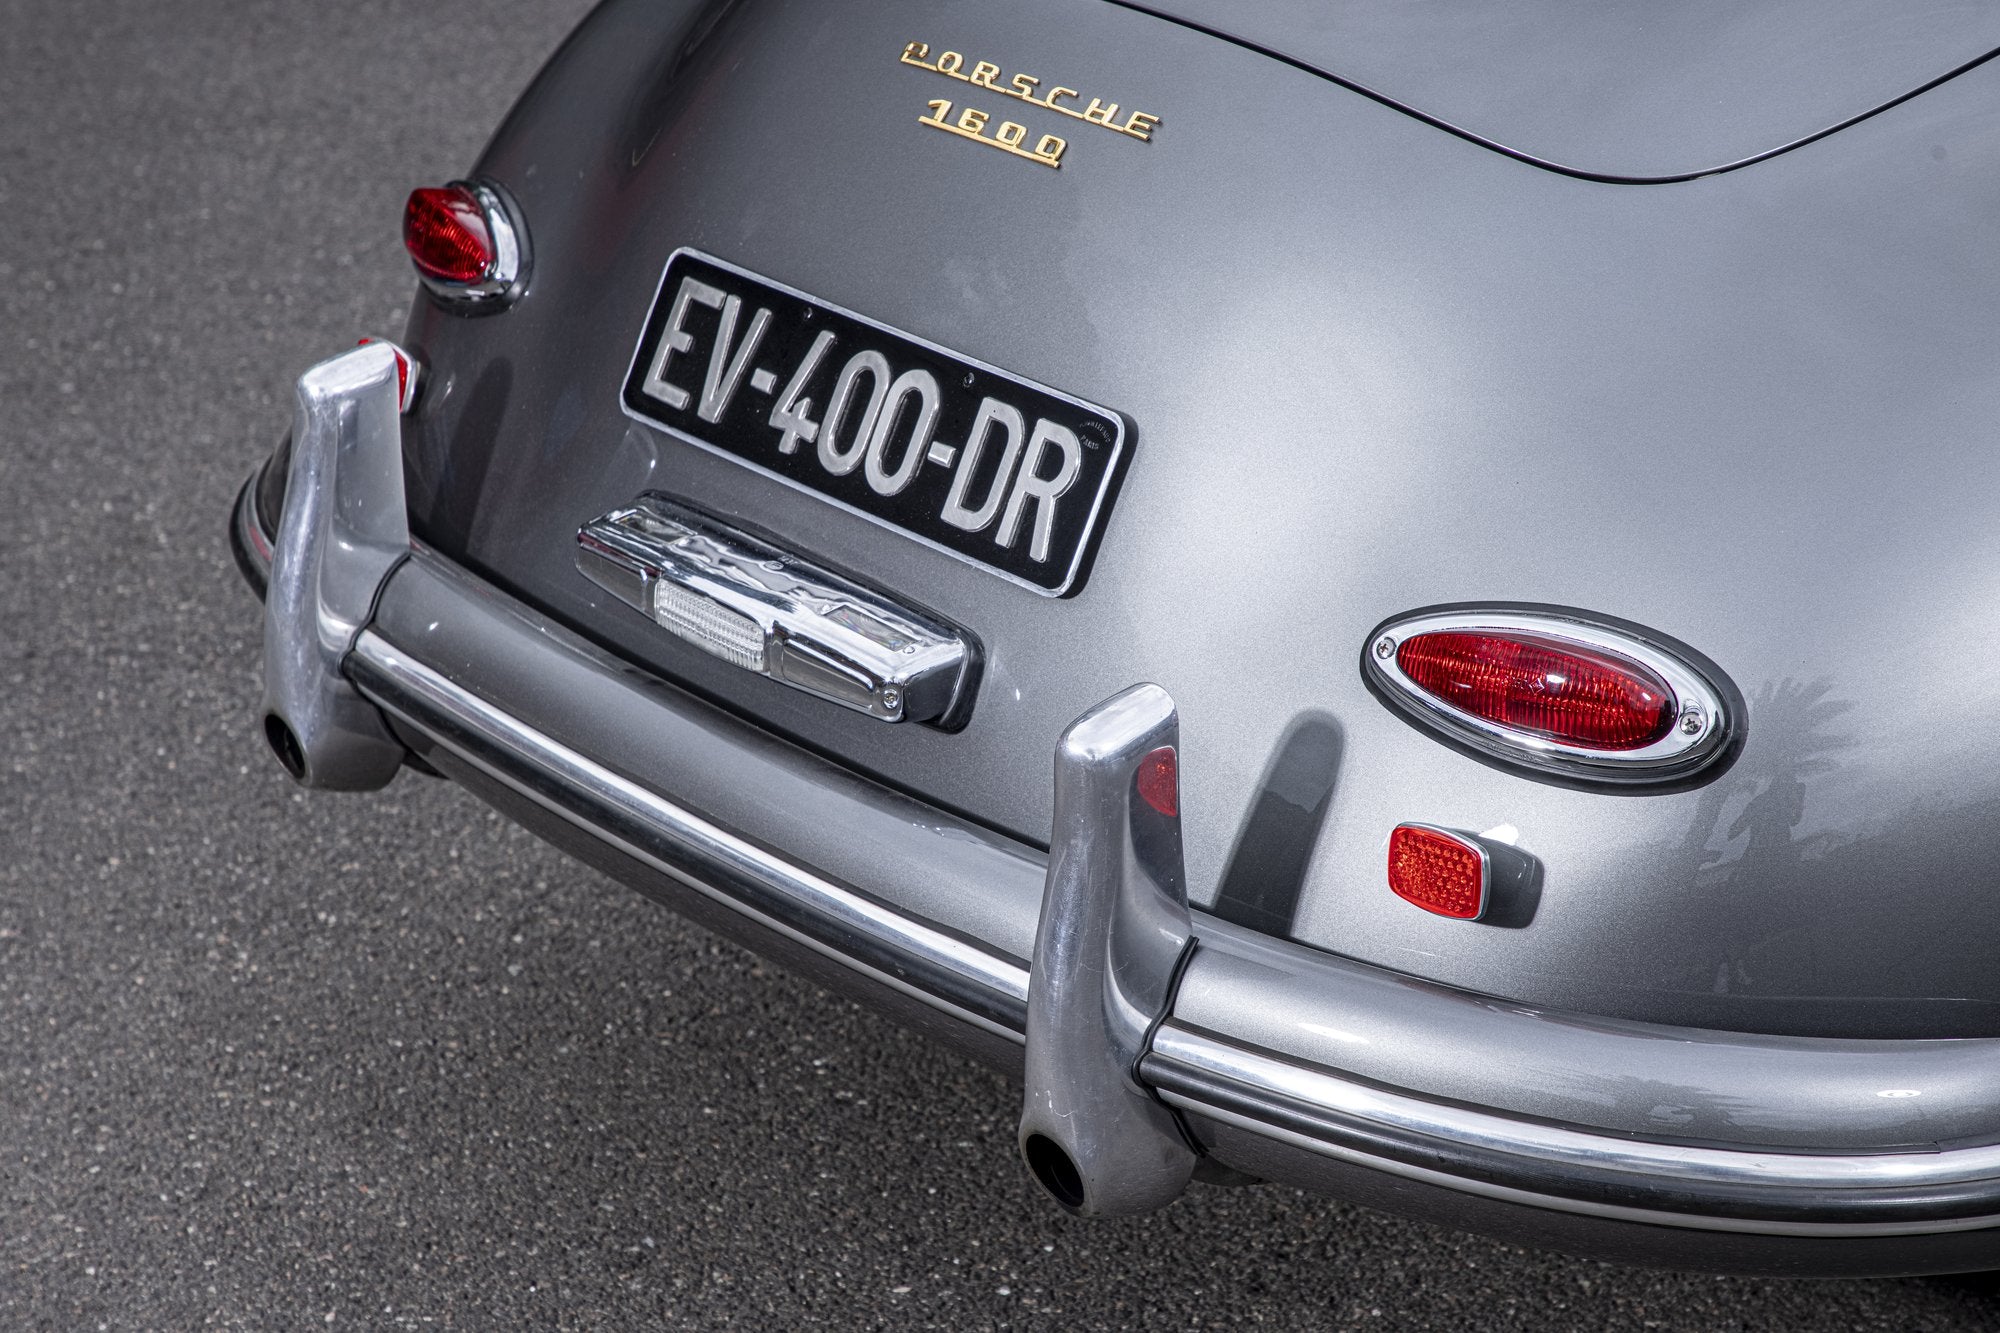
<point>961,456</point>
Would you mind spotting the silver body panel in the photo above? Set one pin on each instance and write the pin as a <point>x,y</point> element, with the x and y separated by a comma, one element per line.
<point>1748,411</point>
<point>1623,90</point>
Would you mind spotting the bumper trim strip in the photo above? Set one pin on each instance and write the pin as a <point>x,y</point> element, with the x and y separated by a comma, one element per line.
<point>1575,1170</point>
<point>1314,1109</point>
<point>908,955</point>
<point>1295,1109</point>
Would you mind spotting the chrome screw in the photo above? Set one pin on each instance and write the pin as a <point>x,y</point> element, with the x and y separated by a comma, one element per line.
<point>1385,647</point>
<point>892,698</point>
<point>1692,722</point>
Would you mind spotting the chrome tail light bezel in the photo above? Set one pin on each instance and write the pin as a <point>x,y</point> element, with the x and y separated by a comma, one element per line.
<point>507,279</point>
<point>1707,728</point>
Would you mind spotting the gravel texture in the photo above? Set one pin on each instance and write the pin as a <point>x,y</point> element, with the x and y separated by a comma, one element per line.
<point>276,1060</point>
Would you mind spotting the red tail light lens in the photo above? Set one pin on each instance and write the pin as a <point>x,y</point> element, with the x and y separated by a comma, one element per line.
<point>1542,686</point>
<point>446,233</point>
<point>1159,781</point>
<point>1439,871</point>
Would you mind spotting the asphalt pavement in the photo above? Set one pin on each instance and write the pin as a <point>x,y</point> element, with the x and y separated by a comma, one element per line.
<point>278,1060</point>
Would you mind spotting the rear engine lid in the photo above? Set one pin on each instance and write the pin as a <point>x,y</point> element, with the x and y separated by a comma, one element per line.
<point>1629,91</point>
<point>1364,368</point>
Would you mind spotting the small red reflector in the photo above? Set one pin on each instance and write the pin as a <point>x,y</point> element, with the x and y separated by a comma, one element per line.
<point>446,234</point>
<point>1542,686</point>
<point>1440,872</point>
<point>1159,781</point>
<point>406,369</point>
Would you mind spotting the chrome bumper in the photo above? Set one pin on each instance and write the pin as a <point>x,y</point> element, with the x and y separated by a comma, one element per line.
<point>1278,1060</point>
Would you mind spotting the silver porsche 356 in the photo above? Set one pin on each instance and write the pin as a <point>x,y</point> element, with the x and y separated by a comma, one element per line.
<point>1372,596</point>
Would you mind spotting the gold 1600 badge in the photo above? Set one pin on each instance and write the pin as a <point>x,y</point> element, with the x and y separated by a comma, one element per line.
<point>1011,136</point>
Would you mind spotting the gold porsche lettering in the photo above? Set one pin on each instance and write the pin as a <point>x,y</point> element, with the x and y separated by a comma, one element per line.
<point>1008,136</point>
<point>1024,87</point>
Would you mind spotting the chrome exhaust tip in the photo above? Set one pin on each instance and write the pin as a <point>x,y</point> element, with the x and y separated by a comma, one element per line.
<point>284,743</point>
<point>1055,1170</point>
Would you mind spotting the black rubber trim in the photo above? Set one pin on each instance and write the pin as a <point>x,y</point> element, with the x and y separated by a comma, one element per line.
<point>1152,1030</point>
<point>1174,979</point>
<point>1493,145</point>
<point>246,563</point>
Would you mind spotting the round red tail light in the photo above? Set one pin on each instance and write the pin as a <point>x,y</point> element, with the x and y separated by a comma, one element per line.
<point>1541,686</point>
<point>446,233</point>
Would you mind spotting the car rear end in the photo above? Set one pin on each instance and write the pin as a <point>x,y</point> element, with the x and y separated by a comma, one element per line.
<point>955,496</point>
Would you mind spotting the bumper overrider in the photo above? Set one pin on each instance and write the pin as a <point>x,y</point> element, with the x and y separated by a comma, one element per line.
<point>1157,1043</point>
